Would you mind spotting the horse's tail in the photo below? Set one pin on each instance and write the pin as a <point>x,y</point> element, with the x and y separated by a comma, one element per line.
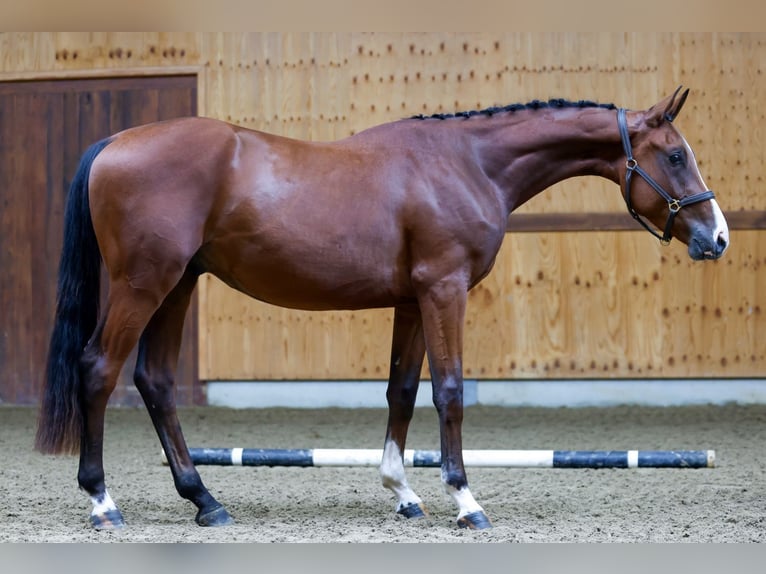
<point>77,306</point>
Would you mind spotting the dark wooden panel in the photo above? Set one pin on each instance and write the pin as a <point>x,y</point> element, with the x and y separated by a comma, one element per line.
<point>44,128</point>
<point>622,221</point>
<point>30,233</point>
<point>746,220</point>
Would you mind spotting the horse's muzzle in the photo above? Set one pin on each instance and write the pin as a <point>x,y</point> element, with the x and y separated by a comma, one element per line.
<point>705,248</point>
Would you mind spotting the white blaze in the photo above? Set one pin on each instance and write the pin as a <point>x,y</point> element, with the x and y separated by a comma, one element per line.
<point>721,228</point>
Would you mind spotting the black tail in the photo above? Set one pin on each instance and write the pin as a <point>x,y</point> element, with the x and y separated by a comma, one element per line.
<point>60,419</point>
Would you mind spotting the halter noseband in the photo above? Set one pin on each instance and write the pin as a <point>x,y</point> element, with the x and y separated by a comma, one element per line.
<point>674,205</point>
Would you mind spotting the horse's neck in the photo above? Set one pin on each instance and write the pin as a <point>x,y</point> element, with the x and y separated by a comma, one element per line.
<point>525,156</point>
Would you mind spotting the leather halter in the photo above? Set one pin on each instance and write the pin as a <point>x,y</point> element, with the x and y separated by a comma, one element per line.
<point>674,205</point>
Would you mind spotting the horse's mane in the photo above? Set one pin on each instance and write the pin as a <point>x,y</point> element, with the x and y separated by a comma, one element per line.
<point>533,105</point>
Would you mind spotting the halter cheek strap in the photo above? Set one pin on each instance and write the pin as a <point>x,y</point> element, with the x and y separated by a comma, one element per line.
<point>674,205</point>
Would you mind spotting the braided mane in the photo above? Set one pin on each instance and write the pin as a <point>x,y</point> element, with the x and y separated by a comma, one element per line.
<point>533,105</point>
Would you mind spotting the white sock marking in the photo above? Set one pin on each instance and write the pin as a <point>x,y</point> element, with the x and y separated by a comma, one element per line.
<point>394,478</point>
<point>465,501</point>
<point>102,504</point>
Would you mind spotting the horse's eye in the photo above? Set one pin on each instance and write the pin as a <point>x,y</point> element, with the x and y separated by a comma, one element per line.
<point>676,158</point>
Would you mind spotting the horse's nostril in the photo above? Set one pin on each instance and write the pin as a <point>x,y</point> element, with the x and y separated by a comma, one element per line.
<point>722,241</point>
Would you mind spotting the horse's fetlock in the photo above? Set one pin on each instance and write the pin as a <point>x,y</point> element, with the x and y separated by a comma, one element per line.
<point>189,485</point>
<point>454,479</point>
<point>91,480</point>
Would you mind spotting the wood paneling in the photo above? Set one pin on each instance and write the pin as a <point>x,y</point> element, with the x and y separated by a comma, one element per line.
<point>622,221</point>
<point>324,86</point>
<point>44,128</point>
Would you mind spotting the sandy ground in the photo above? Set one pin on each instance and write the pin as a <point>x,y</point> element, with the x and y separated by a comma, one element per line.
<point>40,501</point>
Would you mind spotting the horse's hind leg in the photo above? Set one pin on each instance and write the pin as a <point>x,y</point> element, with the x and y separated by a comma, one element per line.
<point>407,353</point>
<point>128,310</point>
<point>154,377</point>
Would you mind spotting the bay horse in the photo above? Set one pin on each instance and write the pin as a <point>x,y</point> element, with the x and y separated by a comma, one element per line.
<point>409,214</point>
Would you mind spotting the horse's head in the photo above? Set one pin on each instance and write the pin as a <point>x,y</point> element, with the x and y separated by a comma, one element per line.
<point>661,181</point>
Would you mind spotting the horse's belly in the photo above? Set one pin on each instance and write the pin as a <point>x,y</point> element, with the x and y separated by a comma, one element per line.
<point>314,281</point>
<point>310,293</point>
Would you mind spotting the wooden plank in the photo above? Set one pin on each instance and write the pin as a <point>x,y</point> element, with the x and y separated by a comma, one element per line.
<point>746,220</point>
<point>564,222</point>
<point>544,222</point>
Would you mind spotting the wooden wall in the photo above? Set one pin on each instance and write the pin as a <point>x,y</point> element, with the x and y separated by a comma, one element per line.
<point>558,304</point>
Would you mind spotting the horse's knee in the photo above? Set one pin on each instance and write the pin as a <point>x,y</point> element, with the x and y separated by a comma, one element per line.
<point>401,404</point>
<point>448,399</point>
<point>403,395</point>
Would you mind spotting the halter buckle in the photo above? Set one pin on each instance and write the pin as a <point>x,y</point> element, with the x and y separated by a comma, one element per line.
<point>664,242</point>
<point>631,163</point>
<point>674,206</point>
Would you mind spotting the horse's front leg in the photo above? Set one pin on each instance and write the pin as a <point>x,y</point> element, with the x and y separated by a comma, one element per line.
<point>407,354</point>
<point>443,309</point>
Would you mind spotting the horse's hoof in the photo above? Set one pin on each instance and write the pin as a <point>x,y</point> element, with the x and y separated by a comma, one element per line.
<point>414,510</point>
<point>216,517</point>
<point>475,521</point>
<point>109,520</point>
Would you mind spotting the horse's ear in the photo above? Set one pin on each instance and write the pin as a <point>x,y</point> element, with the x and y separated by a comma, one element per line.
<point>667,109</point>
<point>677,104</point>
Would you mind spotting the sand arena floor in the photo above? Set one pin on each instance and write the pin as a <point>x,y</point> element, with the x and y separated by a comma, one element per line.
<point>40,500</point>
